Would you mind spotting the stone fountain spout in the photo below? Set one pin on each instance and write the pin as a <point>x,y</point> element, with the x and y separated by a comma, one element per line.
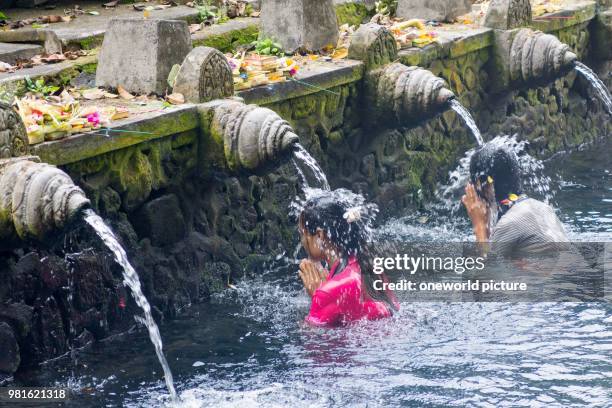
<point>254,139</point>
<point>409,93</point>
<point>396,94</point>
<point>535,55</point>
<point>36,199</point>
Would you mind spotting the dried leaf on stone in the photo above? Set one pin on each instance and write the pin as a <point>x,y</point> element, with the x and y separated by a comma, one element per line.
<point>139,6</point>
<point>93,93</point>
<point>176,98</point>
<point>193,28</point>
<point>111,4</point>
<point>4,67</point>
<point>124,94</point>
<point>93,13</point>
<point>340,53</point>
<point>53,58</point>
<point>120,113</point>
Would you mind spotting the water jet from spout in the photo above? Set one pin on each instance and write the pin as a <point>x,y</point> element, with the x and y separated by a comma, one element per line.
<point>302,160</point>
<point>597,83</point>
<point>468,119</point>
<point>131,280</point>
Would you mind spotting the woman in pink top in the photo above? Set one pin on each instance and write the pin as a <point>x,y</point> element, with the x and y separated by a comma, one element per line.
<point>334,234</point>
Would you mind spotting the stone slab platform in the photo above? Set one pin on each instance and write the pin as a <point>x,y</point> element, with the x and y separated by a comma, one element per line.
<point>10,52</point>
<point>154,121</point>
<point>310,79</point>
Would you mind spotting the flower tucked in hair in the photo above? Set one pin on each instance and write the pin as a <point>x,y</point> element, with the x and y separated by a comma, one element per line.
<point>352,214</point>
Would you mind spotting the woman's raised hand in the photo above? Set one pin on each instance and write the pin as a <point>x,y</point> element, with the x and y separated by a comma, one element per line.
<point>312,274</point>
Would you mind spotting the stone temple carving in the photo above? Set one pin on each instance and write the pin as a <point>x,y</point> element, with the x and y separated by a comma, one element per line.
<point>535,55</point>
<point>204,75</point>
<point>409,93</point>
<point>508,14</point>
<point>253,137</point>
<point>36,199</point>
<point>374,45</point>
<point>13,136</point>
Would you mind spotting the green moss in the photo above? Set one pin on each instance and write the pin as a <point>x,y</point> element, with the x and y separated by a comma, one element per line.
<point>227,42</point>
<point>90,43</point>
<point>352,13</point>
<point>89,68</point>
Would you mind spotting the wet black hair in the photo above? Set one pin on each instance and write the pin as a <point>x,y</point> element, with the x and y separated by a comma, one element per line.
<point>327,210</point>
<point>502,165</point>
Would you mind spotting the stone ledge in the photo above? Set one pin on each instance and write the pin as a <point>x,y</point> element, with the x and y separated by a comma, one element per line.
<point>241,30</point>
<point>451,44</point>
<point>577,13</point>
<point>86,145</point>
<point>11,52</point>
<point>311,79</point>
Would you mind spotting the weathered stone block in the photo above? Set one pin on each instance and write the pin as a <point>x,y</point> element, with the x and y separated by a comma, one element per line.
<point>374,45</point>
<point>508,14</point>
<point>300,24</point>
<point>204,75</point>
<point>161,220</point>
<point>439,10</point>
<point>47,38</point>
<point>139,54</point>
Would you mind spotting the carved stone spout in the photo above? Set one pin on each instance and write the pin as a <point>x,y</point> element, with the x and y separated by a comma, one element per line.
<point>535,55</point>
<point>410,93</point>
<point>524,55</point>
<point>254,138</point>
<point>395,93</point>
<point>36,199</point>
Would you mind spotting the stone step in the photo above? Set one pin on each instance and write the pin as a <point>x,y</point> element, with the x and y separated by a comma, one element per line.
<point>10,53</point>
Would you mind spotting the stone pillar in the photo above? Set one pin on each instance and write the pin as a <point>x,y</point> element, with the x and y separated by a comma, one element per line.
<point>308,25</point>
<point>438,10</point>
<point>508,14</point>
<point>139,54</point>
<point>204,75</point>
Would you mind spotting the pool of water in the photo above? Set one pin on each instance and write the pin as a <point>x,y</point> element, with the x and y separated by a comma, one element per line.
<point>249,348</point>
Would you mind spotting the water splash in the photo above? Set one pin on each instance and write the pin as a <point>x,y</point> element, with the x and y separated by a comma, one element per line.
<point>304,161</point>
<point>535,182</point>
<point>468,119</point>
<point>597,83</point>
<point>131,279</point>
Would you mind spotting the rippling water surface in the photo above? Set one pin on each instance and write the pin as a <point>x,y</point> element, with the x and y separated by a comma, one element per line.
<point>248,347</point>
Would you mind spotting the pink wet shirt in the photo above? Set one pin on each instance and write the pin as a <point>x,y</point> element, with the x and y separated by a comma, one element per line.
<point>343,299</point>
